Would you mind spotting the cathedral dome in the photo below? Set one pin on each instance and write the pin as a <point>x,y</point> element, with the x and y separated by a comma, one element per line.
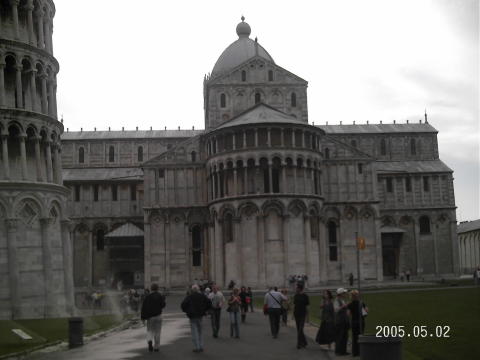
<point>240,51</point>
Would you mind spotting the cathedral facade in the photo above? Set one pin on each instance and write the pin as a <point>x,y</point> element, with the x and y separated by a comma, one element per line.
<point>260,194</point>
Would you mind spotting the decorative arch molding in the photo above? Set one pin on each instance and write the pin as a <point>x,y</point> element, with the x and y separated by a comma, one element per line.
<point>442,218</point>
<point>332,212</point>
<point>388,220</point>
<point>81,228</point>
<point>297,208</point>
<point>33,198</point>
<point>406,220</point>
<point>248,209</point>
<point>226,209</point>
<point>99,226</point>
<point>350,213</point>
<point>273,205</point>
<point>367,212</point>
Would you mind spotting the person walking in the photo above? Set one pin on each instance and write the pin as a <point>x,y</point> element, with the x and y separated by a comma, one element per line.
<point>407,274</point>
<point>151,312</point>
<point>350,279</point>
<point>217,299</point>
<point>476,276</point>
<point>196,306</point>
<point>358,312</point>
<point>326,332</point>
<point>244,306</point>
<point>234,304</point>
<point>285,307</point>
<point>342,324</point>
<point>273,301</point>
<point>250,298</point>
<point>301,302</point>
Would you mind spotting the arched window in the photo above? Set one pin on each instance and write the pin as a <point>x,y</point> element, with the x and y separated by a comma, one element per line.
<point>327,153</point>
<point>313,226</point>
<point>81,155</point>
<point>258,98</point>
<point>354,143</point>
<point>194,156</point>
<point>100,235</point>
<point>270,75</point>
<point>223,100</point>
<point>140,154</point>
<point>196,246</point>
<point>95,192</point>
<point>424,222</point>
<point>244,75</point>
<point>413,147</point>
<point>294,100</point>
<point>228,228</point>
<point>332,241</point>
<point>111,154</point>
<point>383,147</point>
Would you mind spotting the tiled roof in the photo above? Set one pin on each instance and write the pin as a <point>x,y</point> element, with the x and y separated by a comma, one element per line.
<point>378,128</point>
<point>468,226</point>
<point>102,174</point>
<point>130,134</point>
<point>420,166</point>
<point>126,230</point>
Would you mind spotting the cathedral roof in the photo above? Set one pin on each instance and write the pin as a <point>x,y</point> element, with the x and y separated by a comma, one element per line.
<point>468,226</point>
<point>129,134</point>
<point>102,174</point>
<point>413,166</point>
<point>240,51</point>
<point>378,128</point>
<point>260,114</point>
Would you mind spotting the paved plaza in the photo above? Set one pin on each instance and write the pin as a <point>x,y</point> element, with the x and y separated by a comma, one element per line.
<point>255,342</point>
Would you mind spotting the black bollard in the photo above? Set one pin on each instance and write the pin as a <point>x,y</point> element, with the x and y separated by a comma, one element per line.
<point>380,348</point>
<point>75,332</point>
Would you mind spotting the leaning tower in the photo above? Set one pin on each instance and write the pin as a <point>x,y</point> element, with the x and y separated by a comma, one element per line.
<point>35,251</point>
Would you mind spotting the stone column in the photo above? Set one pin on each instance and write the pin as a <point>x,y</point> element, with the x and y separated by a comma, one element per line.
<point>31,36</point>
<point>303,139</point>
<point>188,252</point>
<point>245,178</point>
<point>167,251</point>
<point>23,156</point>
<point>213,253</point>
<point>234,143</point>
<point>51,110</point>
<point>293,138</point>
<point>6,163</point>
<point>41,38</point>
<point>147,264</point>
<point>50,307</point>
<point>286,245</point>
<point>43,79</point>
<point>295,187</point>
<point>270,180</point>
<point>33,90</point>
<point>261,258</point>
<point>18,86</point>
<point>323,252</point>
<point>14,4</point>
<point>57,164</point>
<point>284,187</point>
<point>238,245</point>
<point>256,138</point>
<point>435,245</point>
<point>219,259</point>
<point>308,248</point>
<point>235,182</point>
<point>48,157</point>
<point>13,271</point>
<point>38,159</point>
<point>269,137</point>
<point>46,32</point>
<point>244,139</point>
<point>2,84</point>
<point>90,264</point>
<point>282,142</point>
<point>68,266</point>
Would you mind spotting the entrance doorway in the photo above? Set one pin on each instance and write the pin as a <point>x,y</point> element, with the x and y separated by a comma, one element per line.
<point>391,253</point>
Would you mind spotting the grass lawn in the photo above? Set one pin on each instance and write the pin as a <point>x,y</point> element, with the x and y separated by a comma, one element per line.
<point>457,308</point>
<point>46,331</point>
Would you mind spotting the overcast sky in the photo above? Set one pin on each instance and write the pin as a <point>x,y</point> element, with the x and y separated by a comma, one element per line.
<point>141,63</point>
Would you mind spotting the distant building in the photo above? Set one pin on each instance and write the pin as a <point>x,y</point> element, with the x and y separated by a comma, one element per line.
<point>468,233</point>
<point>260,194</point>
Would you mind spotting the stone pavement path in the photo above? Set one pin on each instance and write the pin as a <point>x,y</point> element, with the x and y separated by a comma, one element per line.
<point>255,342</point>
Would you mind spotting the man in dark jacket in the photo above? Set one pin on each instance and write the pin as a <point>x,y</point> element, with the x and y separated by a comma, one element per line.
<point>152,312</point>
<point>196,306</point>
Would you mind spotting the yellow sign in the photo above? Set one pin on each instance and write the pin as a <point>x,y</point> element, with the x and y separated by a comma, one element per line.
<point>361,243</point>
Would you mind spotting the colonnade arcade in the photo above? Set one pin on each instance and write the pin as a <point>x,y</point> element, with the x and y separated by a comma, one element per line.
<point>269,174</point>
<point>30,154</point>
<point>272,136</point>
<point>27,84</point>
<point>29,21</point>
